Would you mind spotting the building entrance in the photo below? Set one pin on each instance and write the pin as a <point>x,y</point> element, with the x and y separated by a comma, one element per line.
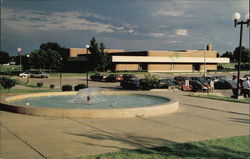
<point>196,67</point>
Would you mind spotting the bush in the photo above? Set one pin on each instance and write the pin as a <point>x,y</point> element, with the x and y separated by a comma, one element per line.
<point>52,86</point>
<point>150,82</point>
<point>39,84</point>
<point>7,83</point>
<point>66,88</point>
<point>80,86</point>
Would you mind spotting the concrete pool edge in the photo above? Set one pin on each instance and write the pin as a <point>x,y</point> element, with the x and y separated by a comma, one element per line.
<point>165,108</point>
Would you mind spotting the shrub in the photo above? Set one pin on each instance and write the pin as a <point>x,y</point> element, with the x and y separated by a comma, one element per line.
<point>52,86</point>
<point>66,88</point>
<point>7,82</point>
<point>80,86</point>
<point>39,84</point>
<point>150,82</point>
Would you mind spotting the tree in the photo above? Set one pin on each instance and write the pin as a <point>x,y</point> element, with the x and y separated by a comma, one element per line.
<point>45,59</point>
<point>99,60</point>
<point>245,54</point>
<point>62,51</point>
<point>7,83</point>
<point>55,47</point>
<point>37,58</point>
<point>229,55</point>
<point>103,59</point>
<point>4,57</point>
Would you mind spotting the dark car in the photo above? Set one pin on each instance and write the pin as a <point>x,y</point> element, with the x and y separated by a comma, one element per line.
<point>98,77</point>
<point>198,86</point>
<point>114,78</point>
<point>204,80</point>
<point>167,83</point>
<point>222,84</point>
<point>128,76</point>
<point>38,74</point>
<point>130,84</point>
<point>180,80</point>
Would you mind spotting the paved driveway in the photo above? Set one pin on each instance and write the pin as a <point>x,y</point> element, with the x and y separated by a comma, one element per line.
<point>25,136</point>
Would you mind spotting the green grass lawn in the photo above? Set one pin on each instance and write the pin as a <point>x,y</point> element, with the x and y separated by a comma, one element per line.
<point>228,148</point>
<point>35,90</point>
<point>245,100</point>
<point>8,68</point>
<point>57,74</point>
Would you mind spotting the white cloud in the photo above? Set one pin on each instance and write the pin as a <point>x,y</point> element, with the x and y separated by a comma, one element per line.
<point>33,20</point>
<point>157,35</point>
<point>172,8</point>
<point>164,12</point>
<point>181,32</point>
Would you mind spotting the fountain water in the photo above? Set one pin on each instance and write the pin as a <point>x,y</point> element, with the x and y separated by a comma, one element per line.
<point>90,103</point>
<point>88,96</point>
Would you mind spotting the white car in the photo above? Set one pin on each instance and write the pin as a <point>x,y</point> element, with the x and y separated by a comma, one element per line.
<point>38,74</point>
<point>24,74</point>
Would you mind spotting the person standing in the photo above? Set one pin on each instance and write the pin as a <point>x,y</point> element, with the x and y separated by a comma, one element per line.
<point>211,86</point>
<point>234,86</point>
<point>246,87</point>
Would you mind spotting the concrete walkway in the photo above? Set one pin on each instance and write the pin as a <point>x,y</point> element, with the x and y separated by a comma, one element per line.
<point>24,136</point>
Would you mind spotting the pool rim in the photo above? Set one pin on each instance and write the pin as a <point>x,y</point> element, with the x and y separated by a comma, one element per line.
<point>158,109</point>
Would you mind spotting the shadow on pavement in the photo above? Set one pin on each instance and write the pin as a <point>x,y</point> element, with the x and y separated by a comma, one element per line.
<point>240,120</point>
<point>127,139</point>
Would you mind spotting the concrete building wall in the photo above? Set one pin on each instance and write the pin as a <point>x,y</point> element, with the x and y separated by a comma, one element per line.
<point>129,67</point>
<point>208,67</point>
<point>74,52</point>
<point>184,53</point>
<point>186,67</point>
<point>159,67</point>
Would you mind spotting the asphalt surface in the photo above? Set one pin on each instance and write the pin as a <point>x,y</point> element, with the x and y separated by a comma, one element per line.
<point>25,136</point>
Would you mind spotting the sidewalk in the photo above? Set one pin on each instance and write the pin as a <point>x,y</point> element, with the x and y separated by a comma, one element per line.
<point>24,136</point>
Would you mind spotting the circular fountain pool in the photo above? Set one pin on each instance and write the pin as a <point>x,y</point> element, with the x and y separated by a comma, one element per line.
<point>107,104</point>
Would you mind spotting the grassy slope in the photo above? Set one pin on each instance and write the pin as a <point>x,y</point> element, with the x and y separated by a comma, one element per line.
<point>229,148</point>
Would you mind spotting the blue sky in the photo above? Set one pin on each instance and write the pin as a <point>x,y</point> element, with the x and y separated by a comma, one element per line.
<point>122,24</point>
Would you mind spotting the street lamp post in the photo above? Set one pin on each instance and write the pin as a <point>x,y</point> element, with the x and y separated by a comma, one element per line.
<point>205,70</point>
<point>236,17</point>
<point>28,56</point>
<point>61,74</point>
<point>87,48</point>
<point>19,50</point>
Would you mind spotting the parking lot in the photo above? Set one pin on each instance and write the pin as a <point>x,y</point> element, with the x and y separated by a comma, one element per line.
<point>75,80</point>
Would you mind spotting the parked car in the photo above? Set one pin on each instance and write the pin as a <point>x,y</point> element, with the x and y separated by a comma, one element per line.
<point>130,84</point>
<point>24,74</point>
<point>180,80</point>
<point>38,74</point>
<point>113,78</point>
<point>216,78</point>
<point>198,86</point>
<point>222,84</point>
<point>167,83</point>
<point>98,77</point>
<point>128,76</point>
<point>203,80</point>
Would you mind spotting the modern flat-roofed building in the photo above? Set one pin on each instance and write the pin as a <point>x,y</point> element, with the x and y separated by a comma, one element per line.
<point>158,61</point>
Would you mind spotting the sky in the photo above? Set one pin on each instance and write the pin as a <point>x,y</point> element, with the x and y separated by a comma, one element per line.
<point>132,25</point>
